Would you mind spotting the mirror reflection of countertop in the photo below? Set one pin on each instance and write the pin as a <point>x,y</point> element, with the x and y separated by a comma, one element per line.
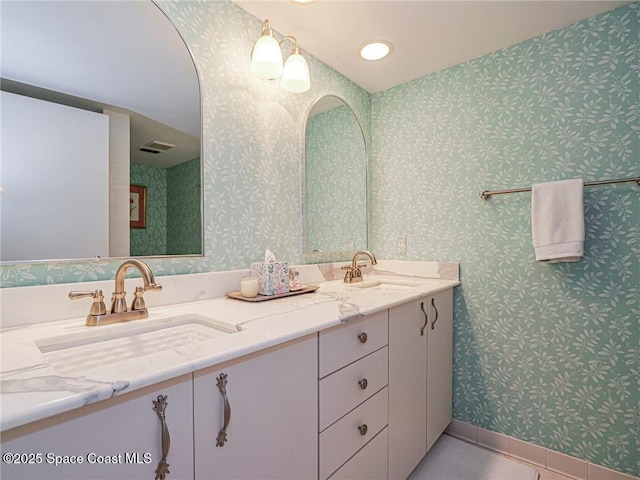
<point>53,367</point>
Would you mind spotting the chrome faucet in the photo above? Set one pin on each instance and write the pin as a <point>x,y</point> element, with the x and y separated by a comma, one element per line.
<point>353,273</point>
<point>119,313</point>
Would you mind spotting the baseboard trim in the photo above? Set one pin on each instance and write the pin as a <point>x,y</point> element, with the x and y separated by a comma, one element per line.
<point>543,457</point>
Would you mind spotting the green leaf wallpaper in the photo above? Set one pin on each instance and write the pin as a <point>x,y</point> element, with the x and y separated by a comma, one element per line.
<point>336,184</point>
<point>549,354</point>
<point>173,210</point>
<point>151,240</point>
<point>184,213</point>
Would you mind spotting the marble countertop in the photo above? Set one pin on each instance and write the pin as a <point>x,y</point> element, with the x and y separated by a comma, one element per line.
<point>33,388</point>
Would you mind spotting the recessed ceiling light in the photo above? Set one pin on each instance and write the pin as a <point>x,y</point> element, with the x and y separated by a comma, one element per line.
<point>376,50</point>
<point>303,2</point>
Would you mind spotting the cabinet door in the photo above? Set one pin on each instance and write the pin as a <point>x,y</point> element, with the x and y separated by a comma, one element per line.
<point>119,438</point>
<point>407,388</point>
<point>439,364</point>
<point>272,419</point>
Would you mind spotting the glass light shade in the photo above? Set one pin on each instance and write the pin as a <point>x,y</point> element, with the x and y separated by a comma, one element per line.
<point>266,58</point>
<point>295,76</point>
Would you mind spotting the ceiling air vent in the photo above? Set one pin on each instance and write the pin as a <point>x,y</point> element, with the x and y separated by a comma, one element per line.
<point>156,147</point>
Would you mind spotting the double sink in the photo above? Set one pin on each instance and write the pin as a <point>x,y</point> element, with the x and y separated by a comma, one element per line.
<point>110,344</point>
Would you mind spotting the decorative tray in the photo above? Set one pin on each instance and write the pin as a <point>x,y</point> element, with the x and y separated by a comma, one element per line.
<point>261,298</point>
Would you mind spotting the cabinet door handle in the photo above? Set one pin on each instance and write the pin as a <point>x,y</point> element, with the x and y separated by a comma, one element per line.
<point>433,304</point>
<point>159,407</point>
<point>363,429</point>
<point>363,337</point>
<point>425,319</point>
<point>363,383</point>
<point>222,387</point>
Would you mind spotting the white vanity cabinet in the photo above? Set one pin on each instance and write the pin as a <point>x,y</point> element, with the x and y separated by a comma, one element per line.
<point>119,438</point>
<point>271,427</point>
<point>364,399</point>
<point>420,378</point>
<point>353,378</point>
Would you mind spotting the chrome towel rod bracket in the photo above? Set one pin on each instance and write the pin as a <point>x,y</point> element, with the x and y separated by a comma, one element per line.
<point>486,194</point>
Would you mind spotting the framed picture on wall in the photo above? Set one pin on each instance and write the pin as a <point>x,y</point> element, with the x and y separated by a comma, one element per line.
<point>137,206</point>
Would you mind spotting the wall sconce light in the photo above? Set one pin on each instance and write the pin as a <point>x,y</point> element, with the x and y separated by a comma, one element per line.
<point>266,62</point>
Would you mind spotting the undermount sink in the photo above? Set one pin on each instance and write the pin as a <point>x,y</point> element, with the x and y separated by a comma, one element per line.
<point>387,284</point>
<point>108,345</point>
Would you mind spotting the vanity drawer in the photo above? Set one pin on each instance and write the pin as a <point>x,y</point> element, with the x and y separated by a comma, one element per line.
<point>347,343</point>
<point>369,463</point>
<point>343,439</point>
<point>343,390</point>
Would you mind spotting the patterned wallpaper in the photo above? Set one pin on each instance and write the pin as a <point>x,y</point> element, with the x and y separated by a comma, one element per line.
<point>336,182</point>
<point>184,217</point>
<point>173,210</point>
<point>549,354</point>
<point>252,151</point>
<point>151,240</point>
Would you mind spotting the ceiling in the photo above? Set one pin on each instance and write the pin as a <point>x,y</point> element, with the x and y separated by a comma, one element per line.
<point>427,35</point>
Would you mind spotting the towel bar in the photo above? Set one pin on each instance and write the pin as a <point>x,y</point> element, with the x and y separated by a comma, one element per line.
<point>486,194</point>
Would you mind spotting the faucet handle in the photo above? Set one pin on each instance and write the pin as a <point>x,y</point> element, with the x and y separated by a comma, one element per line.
<point>138,301</point>
<point>97,307</point>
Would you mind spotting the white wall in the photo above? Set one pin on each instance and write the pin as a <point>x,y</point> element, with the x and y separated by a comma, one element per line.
<point>119,172</point>
<point>41,219</point>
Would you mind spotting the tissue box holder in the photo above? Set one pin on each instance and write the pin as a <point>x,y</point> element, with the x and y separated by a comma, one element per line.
<point>273,278</point>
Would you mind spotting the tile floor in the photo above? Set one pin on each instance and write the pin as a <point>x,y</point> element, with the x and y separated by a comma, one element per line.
<point>545,474</point>
<point>454,459</point>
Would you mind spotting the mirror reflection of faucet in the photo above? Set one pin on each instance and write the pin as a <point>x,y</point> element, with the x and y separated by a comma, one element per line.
<point>353,272</point>
<point>119,312</point>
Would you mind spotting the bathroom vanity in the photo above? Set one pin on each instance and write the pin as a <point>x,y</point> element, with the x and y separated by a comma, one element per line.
<point>314,386</point>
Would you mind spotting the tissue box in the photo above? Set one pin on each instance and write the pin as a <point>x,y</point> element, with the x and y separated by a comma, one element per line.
<point>273,278</point>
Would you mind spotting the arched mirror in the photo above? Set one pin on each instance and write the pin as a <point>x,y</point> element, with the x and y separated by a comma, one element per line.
<point>335,179</point>
<point>101,131</point>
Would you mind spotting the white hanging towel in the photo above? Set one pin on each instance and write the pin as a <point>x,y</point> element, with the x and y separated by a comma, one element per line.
<point>557,220</point>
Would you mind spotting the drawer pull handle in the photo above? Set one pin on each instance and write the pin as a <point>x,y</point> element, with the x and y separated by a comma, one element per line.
<point>433,304</point>
<point>222,387</point>
<point>363,429</point>
<point>363,337</point>
<point>159,407</point>
<point>425,319</point>
<point>363,384</point>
